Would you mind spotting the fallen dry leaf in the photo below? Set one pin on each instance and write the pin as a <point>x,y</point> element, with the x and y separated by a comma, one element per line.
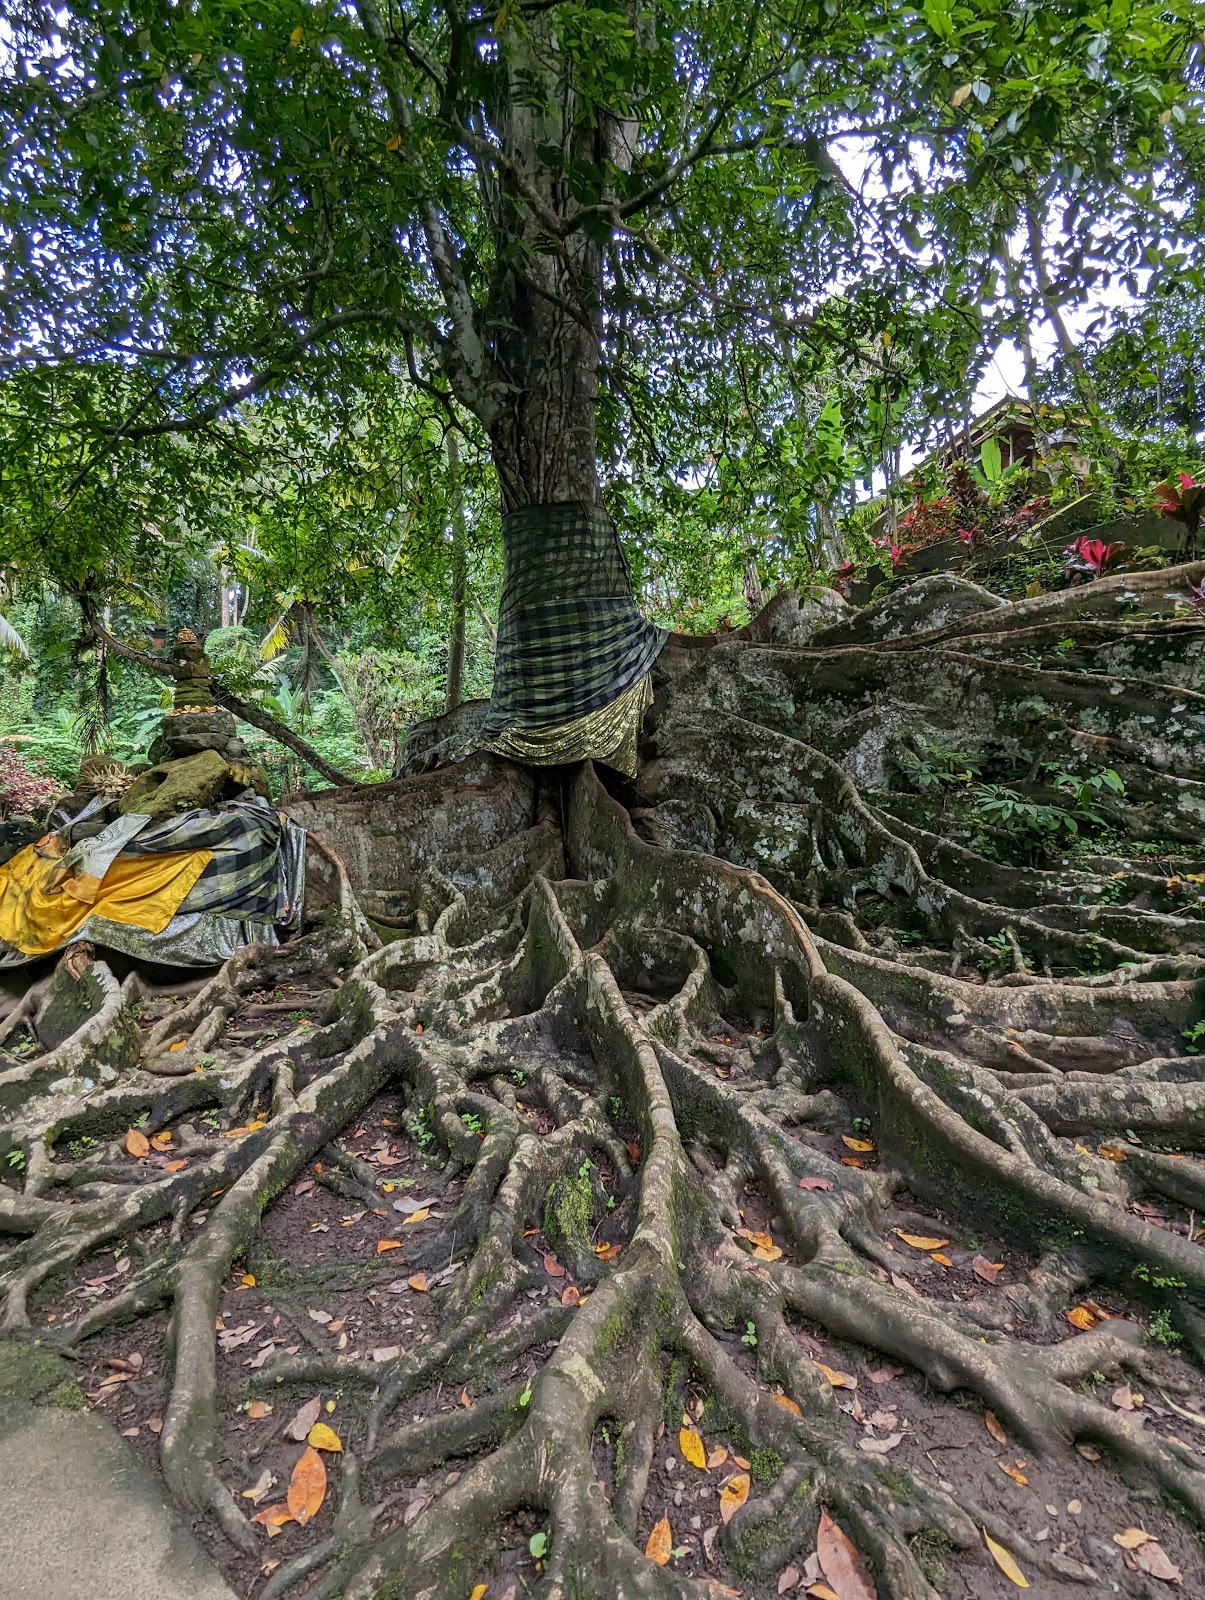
<point>418,1283</point>
<point>259,1409</point>
<point>768,1252</point>
<point>813,1183</point>
<point>839,1380</point>
<point>852,1161</point>
<point>884,1374</point>
<point>607,1252</point>
<point>754,1236</point>
<point>716,1457</point>
<point>417,1507</point>
<point>693,1449</point>
<point>388,1244</point>
<point>137,1144</point>
<point>420,1215</point>
<point>733,1496</point>
<point>942,1260</point>
<point>175,1166</point>
<point>305,1419</point>
<point>1014,1472</point>
<point>259,1489</point>
<point>1125,1399</point>
<point>1154,1560</point>
<point>861,1145</point>
<point>273,1518</point>
<point>480,1591</point>
<point>821,1591</point>
<point>660,1542</point>
<point>1131,1538</point>
<point>1111,1152</point>
<point>920,1241</point>
<point>989,1271</point>
<point>840,1562</point>
<point>787,1579</point>
<point>553,1267</point>
<point>571,1295</point>
<point>323,1437</point>
<point>1080,1317</point>
<point>307,1486</point>
<point>1089,1452</point>
<point>1005,1562</point>
<point>787,1404</point>
<point>880,1447</point>
<point>995,1427</point>
<point>386,1352</point>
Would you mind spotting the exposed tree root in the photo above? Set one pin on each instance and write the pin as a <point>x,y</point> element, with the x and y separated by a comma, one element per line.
<point>626,1020</point>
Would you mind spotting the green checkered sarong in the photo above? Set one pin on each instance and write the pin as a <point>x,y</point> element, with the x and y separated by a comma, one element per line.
<point>570,636</point>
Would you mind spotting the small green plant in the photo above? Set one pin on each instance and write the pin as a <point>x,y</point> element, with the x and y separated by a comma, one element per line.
<point>861,1124</point>
<point>525,1397</point>
<point>616,1104</point>
<point>471,1121</point>
<point>212,1120</point>
<point>538,1545</point>
<point>1161,1330</point>
<point>749,1337</point>
<point>517,1077</point>
<point>930,765</point>
<point>420,1128</point>
<point>16,1158</point>
<point>79,1148</point>
<point>1194,1039</point>
<point>1086,789</point>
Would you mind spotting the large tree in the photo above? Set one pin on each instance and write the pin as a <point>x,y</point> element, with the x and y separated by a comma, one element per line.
<point>857,1032</point>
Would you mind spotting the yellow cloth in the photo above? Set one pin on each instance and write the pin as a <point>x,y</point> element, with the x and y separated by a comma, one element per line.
<point>608,734</point>
<point>39,911</point>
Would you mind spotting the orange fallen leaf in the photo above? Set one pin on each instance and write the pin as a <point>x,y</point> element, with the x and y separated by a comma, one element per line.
<point>161,1141</point>
<point>418,1027</point>
<point>1014,1473</point>
<point>307,1486</point>
<point>247,1280</point>
<point>716,1457</point>
<point>660,1542</point>
<point>787,1404</point>
<point>767,1252</point>
<point>841,1563</point>
<point>920,1241</point>
<point>258,1409</point>
<point>324,1438</point>
<point>1080,1317</point>
<point>754,1236</point>
<point>175,1166</point>
<point>418,1282</point>
<point>821,1591</point>
<point>733,1496</point>
<point>137,1144</point>
<point>553,1267</point>
<point>815,1183</point>
<point>1005,1562</point>
<point>741,1462</point>
<point>1131,1538</point>
<point>634,1151</point>
<point>420,1215</point>
<point>607,1252</point>
<point>388,1244</point>
<point>994,1426</point>
<point>179,1045</point>
<point>571,1295</point>
<point>693,1448</point>
<point>861,1145</point>
<point>942,1261</point>
<point>839,1380</point>
<point>273,1518</point>
<point>1111,1152</point>
<point>852,1161</point>
<point>480,1591</point>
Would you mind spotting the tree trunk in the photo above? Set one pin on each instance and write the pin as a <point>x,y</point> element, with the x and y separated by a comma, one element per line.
<point>455,683</point>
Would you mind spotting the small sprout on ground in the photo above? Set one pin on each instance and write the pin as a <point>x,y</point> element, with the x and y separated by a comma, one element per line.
<point>16,1158</point>
<point>525,1397</point>
<point>749,1336</point>
<point>538,1545</point>
<point>1162,1332</point>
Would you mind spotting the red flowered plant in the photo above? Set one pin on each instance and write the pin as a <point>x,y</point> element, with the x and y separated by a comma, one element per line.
<point>25,791</point>
<point>1092,558</point>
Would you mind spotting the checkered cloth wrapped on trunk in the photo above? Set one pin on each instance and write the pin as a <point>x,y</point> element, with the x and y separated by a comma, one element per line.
<point>570,637</point>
